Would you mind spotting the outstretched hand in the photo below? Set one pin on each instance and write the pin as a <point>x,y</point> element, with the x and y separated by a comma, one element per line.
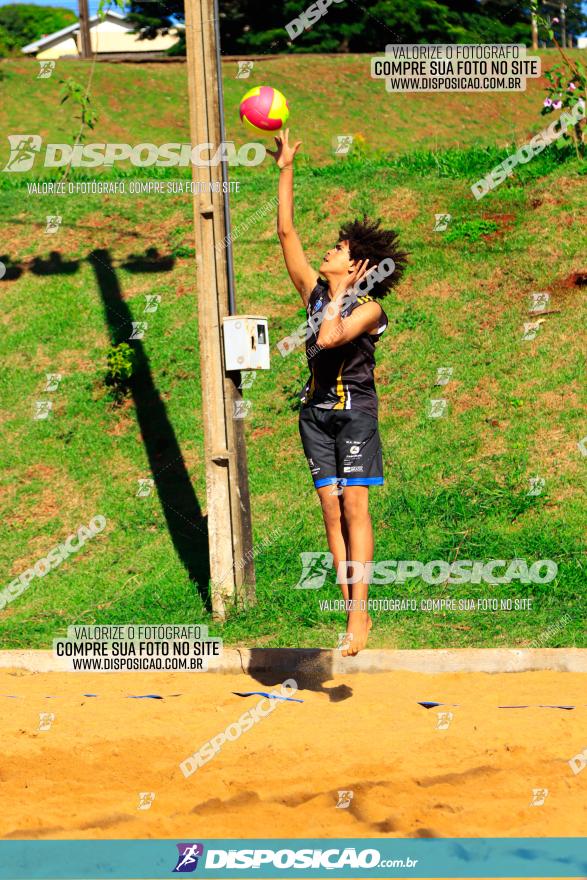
<point>359,272</point>
<point>284,154</point>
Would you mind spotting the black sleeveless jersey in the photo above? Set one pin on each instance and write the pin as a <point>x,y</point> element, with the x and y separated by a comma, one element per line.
<point>340,377</point>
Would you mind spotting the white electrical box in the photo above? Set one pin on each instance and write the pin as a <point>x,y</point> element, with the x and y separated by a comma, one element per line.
<point>246,342</point>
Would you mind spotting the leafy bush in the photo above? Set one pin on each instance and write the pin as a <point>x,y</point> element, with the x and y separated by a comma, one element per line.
<point>7,45</point>
<point>566,90</point>
<point>78,94</point>
<point>471,230</point>
<point>411,318</point>
<point>26,22</point>
<point>566,87</point>
<point>121,363</point>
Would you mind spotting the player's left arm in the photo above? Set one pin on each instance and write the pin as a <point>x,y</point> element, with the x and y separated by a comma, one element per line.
<point>336,330</point>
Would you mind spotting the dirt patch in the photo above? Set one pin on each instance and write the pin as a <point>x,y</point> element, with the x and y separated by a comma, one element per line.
<point>494,443</point>
<point>440,290</point>
<point>55,498</point>
<point>122,418</point>
<point>568,290</point>
<point>555,452</point>
<point>66,362</point>
<point>120,428</point>
<point>575,279</point>
<point>193,459</point>
<point>482,395</point>
<point>40,472</point>
<point>558,401</point>
<point>337,202</point>
<point>261,432</point>
<point>272,264</point>
<point>504,223</point>
<point>554,193</point>
<point>402,207</point>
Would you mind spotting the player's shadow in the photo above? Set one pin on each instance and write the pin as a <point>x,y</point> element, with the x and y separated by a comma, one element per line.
<point>186,524</point>
<point>309,668</point>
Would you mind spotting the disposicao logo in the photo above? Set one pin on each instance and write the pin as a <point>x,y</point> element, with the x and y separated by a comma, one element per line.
<point>25,147</point>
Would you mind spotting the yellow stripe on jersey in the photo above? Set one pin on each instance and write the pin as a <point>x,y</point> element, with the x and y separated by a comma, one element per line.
<point>339,389</point>
<point>312,386</point>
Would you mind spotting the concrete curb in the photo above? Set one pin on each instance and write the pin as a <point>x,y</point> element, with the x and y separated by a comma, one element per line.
<point>325,664</point>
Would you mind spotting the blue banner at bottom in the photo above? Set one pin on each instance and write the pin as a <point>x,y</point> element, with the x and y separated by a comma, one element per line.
<point>276,858</point>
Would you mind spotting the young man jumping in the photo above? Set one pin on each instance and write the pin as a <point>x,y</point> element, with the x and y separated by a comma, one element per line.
<point>338,417</point>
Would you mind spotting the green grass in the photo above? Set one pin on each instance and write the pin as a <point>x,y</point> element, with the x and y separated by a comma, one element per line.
<point>456,487</point>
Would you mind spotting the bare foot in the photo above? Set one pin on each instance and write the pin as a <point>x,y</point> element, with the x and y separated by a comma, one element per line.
<point>359,625</point>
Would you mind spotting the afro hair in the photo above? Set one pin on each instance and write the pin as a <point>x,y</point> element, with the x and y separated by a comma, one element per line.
<point>367,241</point>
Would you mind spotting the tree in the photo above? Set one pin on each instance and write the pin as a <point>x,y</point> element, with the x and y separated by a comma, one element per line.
<point>24,22</point>
<point>7,44</point>
<point>254,26</point>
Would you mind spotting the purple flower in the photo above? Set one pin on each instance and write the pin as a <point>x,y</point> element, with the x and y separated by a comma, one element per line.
<point>557,105</point>
<point>547,102</point>
<point>555,20</point>
<point>572,86</point>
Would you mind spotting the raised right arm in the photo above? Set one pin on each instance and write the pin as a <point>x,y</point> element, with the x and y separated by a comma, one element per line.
<point>301,273</point>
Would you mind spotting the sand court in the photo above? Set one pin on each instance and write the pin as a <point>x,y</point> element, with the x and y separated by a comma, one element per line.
<point>108,766</point>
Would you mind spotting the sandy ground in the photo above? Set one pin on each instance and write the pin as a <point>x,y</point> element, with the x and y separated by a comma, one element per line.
<point>82,777</point>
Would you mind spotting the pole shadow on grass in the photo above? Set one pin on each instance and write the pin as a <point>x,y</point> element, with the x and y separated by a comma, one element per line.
<point>186,524</point>
<point>309,668</point>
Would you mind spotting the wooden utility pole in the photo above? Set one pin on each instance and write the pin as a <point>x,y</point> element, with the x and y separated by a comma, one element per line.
<point>534,32</point>
<point>229,515</point>
<point>85,43</point>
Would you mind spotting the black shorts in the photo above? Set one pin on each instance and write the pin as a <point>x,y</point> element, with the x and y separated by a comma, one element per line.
<point>342,446</point>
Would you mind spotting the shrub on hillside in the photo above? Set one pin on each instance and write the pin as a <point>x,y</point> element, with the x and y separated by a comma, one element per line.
<point>26,22</point>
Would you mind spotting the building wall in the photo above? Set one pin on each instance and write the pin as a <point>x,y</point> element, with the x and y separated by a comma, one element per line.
<point>109,37</point>
<point>67,46</point>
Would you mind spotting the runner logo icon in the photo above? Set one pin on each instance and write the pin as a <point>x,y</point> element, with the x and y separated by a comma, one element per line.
<point>187,860</point>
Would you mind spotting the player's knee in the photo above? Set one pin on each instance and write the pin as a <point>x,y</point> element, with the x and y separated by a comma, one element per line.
<point>330,504</point>
<point>331,511</point>
<point>355,506</point>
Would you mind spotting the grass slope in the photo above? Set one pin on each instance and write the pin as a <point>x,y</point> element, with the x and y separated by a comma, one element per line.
<point>456,487</point>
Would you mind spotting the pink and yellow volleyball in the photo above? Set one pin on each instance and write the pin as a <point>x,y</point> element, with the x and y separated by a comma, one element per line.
<point>264,110</point>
